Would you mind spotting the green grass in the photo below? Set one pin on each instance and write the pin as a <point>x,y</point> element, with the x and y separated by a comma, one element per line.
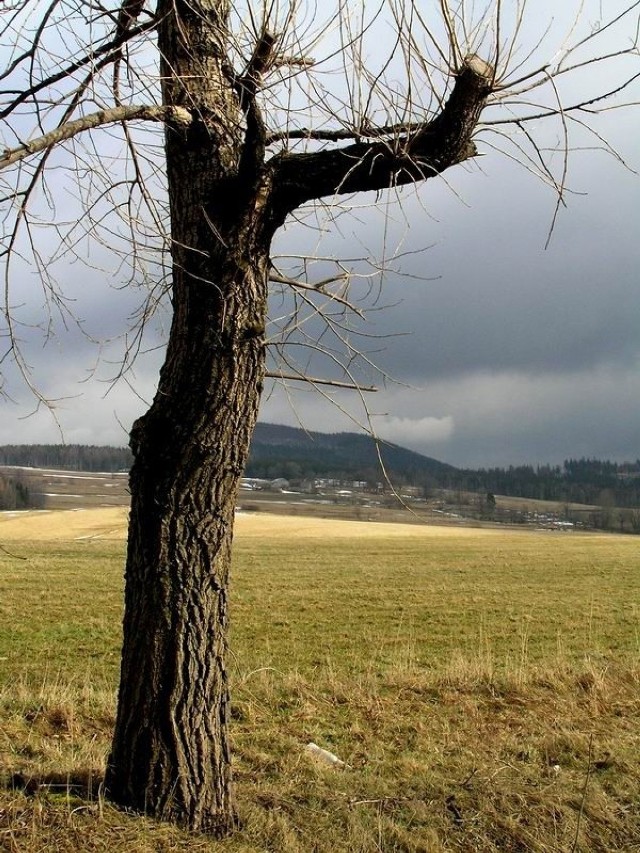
<point>360,605</point>
<point>483,687</point>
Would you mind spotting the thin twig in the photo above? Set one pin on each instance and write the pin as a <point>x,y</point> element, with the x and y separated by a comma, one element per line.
<point>313,380</point>
<point>10,554</point>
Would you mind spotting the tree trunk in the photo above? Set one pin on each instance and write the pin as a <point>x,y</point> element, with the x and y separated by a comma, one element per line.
<point>170,755</point>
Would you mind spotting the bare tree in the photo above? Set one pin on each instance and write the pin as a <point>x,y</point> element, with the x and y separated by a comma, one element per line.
<point>263,110</point>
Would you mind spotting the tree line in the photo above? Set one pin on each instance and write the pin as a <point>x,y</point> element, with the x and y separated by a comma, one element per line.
<point>68,457</point>
<point>347,457</point>
<point>585,481</point>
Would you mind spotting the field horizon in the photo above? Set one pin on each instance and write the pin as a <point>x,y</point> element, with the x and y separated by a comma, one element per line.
<point>481,686</point>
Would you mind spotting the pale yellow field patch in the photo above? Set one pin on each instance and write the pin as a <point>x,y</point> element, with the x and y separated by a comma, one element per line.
<point>69,525</point>
<point>111,523</point>
<point>262,525</point>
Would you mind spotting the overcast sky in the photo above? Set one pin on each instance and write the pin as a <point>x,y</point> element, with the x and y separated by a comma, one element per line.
<point>505,352</point>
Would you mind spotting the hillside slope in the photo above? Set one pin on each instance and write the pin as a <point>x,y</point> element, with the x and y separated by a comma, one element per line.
<point>289,452</point>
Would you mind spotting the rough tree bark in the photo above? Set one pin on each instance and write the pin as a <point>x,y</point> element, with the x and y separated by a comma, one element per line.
<point>170,754</point>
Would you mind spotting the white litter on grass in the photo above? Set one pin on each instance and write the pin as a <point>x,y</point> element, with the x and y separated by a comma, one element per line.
<point>11,512</point>
<point>61,495</point>
<point>323,755</point>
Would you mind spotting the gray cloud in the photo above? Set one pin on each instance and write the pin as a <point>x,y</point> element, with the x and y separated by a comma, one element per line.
<point>486,419</point>
<point>509,417</point>
<point>502,301</point>
<point>514,353</point>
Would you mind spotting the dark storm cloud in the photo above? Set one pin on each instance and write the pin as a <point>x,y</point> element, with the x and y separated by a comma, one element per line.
<point>508,418</point>
<point>504,302</point>
<point>516,353</point>
<point>75,368</point>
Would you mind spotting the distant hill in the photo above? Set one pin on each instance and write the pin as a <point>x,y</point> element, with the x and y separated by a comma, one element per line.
<point>281,451</point>
<point>276,451</point>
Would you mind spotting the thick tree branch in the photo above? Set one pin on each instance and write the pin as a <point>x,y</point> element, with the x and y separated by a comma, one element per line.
<point>403,159</point>
<point>259,64</point>
<point>341,134</point>
<point>176,115</point>
<point>128,14</point>
<point>247,87</point>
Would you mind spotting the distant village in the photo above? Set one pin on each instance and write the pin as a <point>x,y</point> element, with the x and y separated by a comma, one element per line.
<point>452,506</point>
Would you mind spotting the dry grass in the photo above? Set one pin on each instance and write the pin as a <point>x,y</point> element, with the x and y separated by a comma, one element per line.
<point>63,525</point>
<point>483,687</point>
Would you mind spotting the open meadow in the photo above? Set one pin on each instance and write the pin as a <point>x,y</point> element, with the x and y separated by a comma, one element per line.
<point>482,687</point>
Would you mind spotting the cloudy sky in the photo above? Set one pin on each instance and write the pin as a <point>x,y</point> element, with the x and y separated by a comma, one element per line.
<point>516,353</point>
<point>505,351</point>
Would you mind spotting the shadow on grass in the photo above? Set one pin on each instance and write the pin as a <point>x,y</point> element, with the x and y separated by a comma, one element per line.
<point>85,784</point>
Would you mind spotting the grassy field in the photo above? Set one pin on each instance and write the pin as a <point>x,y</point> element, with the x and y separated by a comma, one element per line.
<point>483,687</point>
